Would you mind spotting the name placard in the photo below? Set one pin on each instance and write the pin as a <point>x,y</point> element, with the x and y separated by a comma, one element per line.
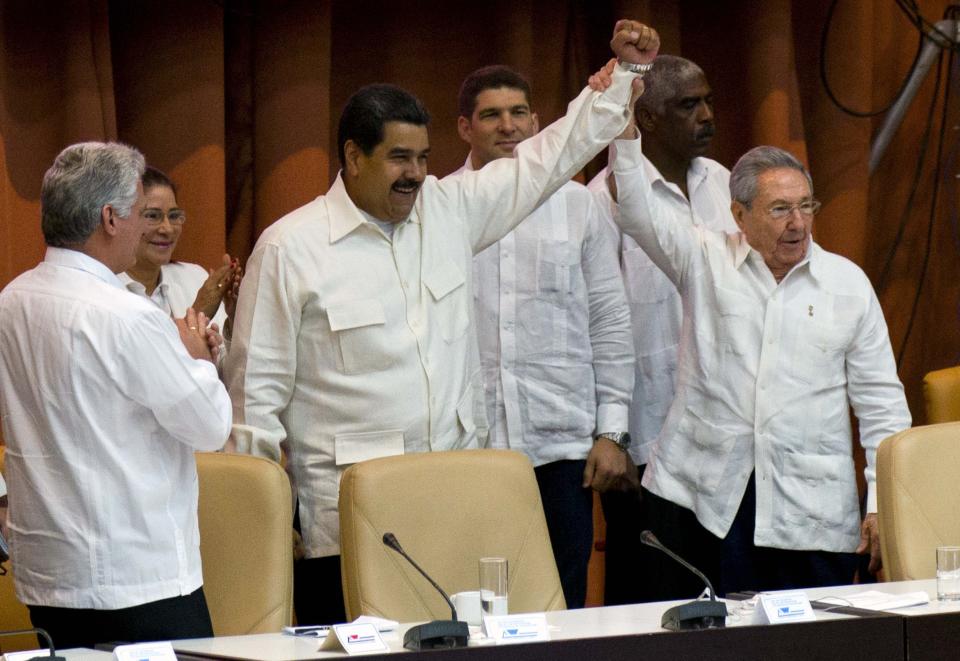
<point>510,629</point>
<point>355,639</point>
<point>787,607</point>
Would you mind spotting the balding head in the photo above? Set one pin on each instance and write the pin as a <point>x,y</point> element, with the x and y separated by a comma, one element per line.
<point>664,80</point>
<point>675,113</point>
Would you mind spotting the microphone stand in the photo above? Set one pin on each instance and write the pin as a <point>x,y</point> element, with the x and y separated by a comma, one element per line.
<point>43,634</point>
<point>697,614</point>
<point>438,634</point>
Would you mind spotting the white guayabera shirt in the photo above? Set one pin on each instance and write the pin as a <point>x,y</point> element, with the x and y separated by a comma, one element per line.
<point>102,411</point>
<point>655,307</point>
<point>766,377</point>
<point>554,330</point>
<point>349,345</point>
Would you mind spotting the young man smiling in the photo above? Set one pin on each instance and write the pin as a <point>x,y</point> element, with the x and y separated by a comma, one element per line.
<point>354,336</point>
<point>554,333</point>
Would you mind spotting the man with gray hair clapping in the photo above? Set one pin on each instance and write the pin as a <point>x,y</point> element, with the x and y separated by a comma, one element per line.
<point>103,404</point>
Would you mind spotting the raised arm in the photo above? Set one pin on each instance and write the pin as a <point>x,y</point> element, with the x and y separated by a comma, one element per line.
<point>671,245</point>
<point>496,198</point>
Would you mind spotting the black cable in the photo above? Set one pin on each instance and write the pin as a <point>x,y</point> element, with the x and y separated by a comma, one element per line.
<point>914,185</point>
<point>933,205</point>
<point>912,11</point>
<point>825,33</point>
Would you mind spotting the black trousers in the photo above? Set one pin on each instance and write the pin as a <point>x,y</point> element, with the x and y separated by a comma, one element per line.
<point>568,508</point>
<point>317,588</point>
<point>318,591</point>
<point>627,562</point>
<point>734,563</point>
<point>167,619</point>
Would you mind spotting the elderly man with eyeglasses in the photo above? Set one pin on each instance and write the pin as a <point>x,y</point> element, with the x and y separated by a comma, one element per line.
<point>752,477</point>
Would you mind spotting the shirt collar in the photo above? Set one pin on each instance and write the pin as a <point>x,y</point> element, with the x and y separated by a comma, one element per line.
<point>344,215</point>
<point>697,173</point>
<point>137,288</point>
<point>813,256</point>
<point>74,259</point>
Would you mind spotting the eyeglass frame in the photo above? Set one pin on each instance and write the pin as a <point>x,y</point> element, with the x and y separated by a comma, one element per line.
<point>815,205</point>
<point>165,214</point>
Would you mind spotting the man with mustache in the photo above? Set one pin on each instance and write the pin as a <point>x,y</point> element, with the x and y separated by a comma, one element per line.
<point>752,477</point>
<point>554,332</point>
<point>675,118</point>
<point>354,336</point>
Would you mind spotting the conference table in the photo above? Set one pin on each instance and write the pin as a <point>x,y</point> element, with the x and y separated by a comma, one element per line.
<point>918,633</point>
<point>924,632</point>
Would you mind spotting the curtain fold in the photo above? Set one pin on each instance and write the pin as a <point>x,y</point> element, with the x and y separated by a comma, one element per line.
<point>238,100</point>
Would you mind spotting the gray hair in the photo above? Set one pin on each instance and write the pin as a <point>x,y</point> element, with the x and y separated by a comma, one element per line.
<point>663,81</point>
<point>743,177</point>
<point>83,179</point>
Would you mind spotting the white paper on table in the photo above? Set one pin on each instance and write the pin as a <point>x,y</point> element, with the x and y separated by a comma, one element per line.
<point>161,651</point>
<point>382,624</point>
<point>874,600</point>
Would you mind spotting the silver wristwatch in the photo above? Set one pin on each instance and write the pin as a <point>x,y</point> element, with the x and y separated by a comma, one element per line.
<point>621,438</point>
<point>635,68</point>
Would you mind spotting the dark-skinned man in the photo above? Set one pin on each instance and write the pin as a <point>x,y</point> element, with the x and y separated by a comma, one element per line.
<point>675,117</point>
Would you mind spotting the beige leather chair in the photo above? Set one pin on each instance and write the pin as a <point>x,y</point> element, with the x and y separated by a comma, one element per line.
<point>941,395</point>
<point>447,510</point>
<point>918,498</point>
<point>246,519</point>
<point>13,614</point>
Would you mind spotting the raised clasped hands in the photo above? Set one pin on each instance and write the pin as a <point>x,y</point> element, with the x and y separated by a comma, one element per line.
<point>634,42</point>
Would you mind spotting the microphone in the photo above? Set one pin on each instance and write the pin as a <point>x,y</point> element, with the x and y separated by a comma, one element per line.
<point>697,614</point>
<point>43,634</point>
<point>439,634</point>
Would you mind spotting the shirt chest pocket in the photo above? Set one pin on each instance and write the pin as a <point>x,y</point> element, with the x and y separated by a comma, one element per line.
<point>360,330</point>
<point>557,266</point>
<point>646,283</point>
<point>823,350</point>
<point>447,286</point>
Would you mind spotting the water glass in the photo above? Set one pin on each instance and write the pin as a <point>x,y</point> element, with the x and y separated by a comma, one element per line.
<point>493,586</point>
<point>948,573</point>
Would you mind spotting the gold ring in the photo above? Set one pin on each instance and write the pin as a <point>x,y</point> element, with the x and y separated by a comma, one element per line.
<point>193,328</point>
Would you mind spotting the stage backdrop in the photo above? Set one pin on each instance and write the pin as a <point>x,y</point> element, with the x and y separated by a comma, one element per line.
<point>238,100</point>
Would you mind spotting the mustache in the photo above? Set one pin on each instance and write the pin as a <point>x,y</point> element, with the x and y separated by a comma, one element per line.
<point>407,183</point>
<point>705,133</point>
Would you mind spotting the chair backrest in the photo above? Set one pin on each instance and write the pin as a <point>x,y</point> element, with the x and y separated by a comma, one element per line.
<point>246,523</point>
<point>447,509</point>
<point>918,497</point>
<point>13,614</point>
<point>941,395</point>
